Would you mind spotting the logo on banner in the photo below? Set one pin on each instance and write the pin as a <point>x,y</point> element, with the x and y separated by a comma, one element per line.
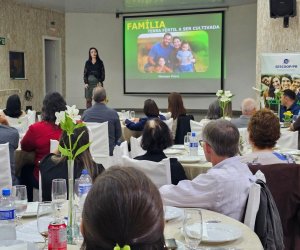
<point>286,65</point>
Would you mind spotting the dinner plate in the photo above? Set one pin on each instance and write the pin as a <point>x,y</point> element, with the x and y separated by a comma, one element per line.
<point>189,159</point>
<point>171,151</point>
<point>219,232</point>
<point>172,213</point>
<point>31,209</point>
<point>178,146</point>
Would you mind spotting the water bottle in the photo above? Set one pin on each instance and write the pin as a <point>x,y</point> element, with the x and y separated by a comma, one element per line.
<point>193,144</point>
<point>84,186</point>
<point>7,216</point>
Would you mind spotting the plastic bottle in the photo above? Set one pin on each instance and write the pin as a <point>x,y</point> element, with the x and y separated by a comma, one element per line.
<point>193,144</point>
<point>7,216</point>
<point>84,186</point>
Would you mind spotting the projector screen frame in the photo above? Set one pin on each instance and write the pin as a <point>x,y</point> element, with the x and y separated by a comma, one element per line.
<point>189,93</point>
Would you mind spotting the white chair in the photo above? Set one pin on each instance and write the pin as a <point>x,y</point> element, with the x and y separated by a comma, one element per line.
<point>197,127</point>
<point>31,114</point>
<point>169,122</point>
<point>99,148</point>
<point>252,205</point>
<point>53,145</point>
<point>119,151</point>
<point>135,145</point>
<point>5,171</point>
<point>158,172</point>
<point>21,124</point>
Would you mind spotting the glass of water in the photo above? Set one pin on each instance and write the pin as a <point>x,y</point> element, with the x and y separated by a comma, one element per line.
<point>20,196</point>
<point>59,193</point>
<point>192,227</point>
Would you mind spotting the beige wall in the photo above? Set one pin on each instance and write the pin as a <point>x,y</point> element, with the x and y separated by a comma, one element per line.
<point>24,29</point>
<point>272,37</point>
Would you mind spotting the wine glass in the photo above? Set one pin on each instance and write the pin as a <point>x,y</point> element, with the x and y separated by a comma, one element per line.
<point>20,197</point>
<point>59,193</point>
<point>192,227</point>
<point>45,215</point>
<point>132,115</point>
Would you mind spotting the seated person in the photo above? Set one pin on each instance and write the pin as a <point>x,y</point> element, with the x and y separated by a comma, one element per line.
<point>151,111</point>
<point>264,131</point>
<point>288,103</point>
<point>157,137</point>
<point>54,166</point>
<point>225,187</point>
<point>248,109</point>
<point>123,210</point>
<point>214,112</point>
<point>10,135</point>
<point>13,107</point>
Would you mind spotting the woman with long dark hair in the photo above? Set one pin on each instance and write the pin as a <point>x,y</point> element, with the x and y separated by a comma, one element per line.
<point>93,75</point>
<point>13,107</point>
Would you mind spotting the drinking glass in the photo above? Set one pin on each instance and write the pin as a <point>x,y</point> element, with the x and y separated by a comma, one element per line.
<point>123,114</point>
<point>59,193</point>
<point>45,215</point>
<point>132,115</point>
<point>20,197</point>
<point>187,143</point>
<point>192,227</point>
<point>77,236</point>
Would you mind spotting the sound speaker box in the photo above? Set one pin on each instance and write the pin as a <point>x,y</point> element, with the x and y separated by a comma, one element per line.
<point>282,8</point>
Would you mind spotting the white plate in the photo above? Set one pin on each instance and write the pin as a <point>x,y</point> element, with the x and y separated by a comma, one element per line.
<point>178,146</point>
<point>189,159</point>
<point>172,213</point>
<point>171,151</point>
<point>31,209</point>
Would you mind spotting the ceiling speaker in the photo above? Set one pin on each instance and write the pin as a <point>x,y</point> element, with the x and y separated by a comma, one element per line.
<point>282,8</point>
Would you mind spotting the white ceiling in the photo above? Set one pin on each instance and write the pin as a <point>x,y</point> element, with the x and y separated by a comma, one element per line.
<point>129,6</point>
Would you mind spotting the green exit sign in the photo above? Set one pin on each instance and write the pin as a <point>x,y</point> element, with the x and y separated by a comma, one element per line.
<point>2,41</point>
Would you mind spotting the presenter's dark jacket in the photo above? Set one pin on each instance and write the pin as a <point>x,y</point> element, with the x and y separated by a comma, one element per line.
<point>177,171</point>
<point>96,69</point>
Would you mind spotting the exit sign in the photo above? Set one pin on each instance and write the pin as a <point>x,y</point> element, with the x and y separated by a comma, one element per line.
<point>2,41</point>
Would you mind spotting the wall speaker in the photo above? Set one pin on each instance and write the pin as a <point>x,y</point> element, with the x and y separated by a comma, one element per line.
<point>282,8</point>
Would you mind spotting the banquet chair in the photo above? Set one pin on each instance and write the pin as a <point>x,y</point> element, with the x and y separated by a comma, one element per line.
<point>158,172</point>
<point>135,145</point>
<point>197,127</point>
<point>119,151</point>
<point>53,145</point>
<point>283,180</point>
<point>169,123</point>
<point>252,205</point>
<point>21,124</point>
<point>31,114</point>
<point>5,171</point>
<point>99,148</point>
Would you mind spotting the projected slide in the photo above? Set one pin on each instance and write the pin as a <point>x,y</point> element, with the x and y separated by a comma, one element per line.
<point>181,53</point>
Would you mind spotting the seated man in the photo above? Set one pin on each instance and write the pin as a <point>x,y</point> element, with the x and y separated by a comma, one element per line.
<point>288,103</point>
<point>248,109</point>
<point>99,112</point>
<point>225,187</point>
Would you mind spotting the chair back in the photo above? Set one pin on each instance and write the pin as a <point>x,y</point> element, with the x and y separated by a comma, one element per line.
<point>183,126</point>
<point>158,172</point>
<point>53,145</point>
<point>21,124</point>
<point>283,181</point>
<point>98,133</point>
<point>252,205</point>
<point>5,171</point>
<point>135,145</point>
<point>31,114</point>
<point>169,123</point>
<point>119,151</point>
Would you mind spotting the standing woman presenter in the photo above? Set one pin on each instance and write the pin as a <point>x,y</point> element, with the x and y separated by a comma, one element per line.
<point>93,75</point>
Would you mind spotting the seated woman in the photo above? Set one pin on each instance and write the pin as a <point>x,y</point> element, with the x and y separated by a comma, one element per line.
<point>10,135</point>
<point>213,113</point>
<point>54,166</point>
<point>151,111</point>
<point>157,137</point>
<point>123,210</point>
<point>37,139</point>
<point>264,131</point>
<point>13,107</point>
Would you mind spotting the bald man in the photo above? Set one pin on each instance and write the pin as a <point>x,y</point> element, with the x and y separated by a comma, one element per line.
<point>248,109</point>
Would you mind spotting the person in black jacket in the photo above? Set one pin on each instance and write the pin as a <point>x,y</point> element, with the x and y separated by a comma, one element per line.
<point>93,75</point>
<point>157,137</point>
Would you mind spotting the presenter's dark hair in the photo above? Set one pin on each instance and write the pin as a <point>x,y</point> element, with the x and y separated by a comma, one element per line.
<point>156,136</point>
<point>53,102</point>
<point>13,106</point>
<point>129,211</point>
<point>90,57</point>
<point>150,108</point>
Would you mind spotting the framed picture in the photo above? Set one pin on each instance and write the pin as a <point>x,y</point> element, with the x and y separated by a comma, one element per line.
<point>16,65</point>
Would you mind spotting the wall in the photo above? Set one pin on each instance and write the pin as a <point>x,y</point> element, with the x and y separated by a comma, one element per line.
<point>272,37</point>
<point>23,28</point>
<point>104,31</point>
